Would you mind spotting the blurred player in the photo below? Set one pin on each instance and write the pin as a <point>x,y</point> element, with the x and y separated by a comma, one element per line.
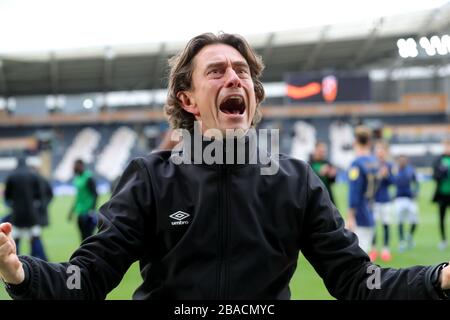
<point>23,195</point>
<point>322,167</point>
<point>85,200</point>
<point>363,183</point>
<point>441,173</point>
<point>382,207</point>
<point>405,205</point>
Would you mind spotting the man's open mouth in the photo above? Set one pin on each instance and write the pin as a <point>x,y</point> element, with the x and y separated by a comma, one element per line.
<point>233,105</point>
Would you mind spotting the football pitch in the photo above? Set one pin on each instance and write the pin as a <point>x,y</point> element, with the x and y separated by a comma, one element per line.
<point>62,238</point>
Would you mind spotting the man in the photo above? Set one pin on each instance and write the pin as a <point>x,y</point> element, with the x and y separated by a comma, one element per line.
<point>85,200</point>
<point>382,207</point>
<point>322,167</point>
<point>441,174</point>
<point>216,230</point>
<point>22,194</point>
<point>406,208</point>
<point>363,183</point>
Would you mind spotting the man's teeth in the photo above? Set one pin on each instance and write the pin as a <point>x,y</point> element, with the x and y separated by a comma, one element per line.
<point>239,98</point>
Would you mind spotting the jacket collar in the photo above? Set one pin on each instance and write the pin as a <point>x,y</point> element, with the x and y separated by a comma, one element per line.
<point>230,151</point>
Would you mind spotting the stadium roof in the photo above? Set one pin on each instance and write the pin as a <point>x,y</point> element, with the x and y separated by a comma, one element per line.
<point>365,44</point>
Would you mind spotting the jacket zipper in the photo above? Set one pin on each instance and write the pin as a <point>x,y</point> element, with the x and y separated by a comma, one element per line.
<point>221,278</point>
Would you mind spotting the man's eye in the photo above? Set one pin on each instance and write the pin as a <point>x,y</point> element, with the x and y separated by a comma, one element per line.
<point>214,71</point>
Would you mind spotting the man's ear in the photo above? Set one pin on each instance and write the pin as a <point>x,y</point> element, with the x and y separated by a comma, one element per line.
<point>188,103</point>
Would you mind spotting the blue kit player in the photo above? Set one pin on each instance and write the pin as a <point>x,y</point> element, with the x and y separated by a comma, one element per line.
<point>362,187</point>
<point>382,208</point>
<point>405,205</point>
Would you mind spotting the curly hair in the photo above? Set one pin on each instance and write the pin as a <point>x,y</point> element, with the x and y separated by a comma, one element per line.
<point>181,69</point>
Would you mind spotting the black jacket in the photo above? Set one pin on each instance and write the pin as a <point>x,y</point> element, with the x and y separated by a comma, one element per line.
<point>219,232</point>
<point>22,194</point>
<point>44,201</point>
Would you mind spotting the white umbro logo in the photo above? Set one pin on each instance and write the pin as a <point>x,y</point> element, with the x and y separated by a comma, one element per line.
<point>180,216</point>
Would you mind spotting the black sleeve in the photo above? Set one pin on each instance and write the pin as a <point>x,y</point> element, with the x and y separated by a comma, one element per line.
<point>93,189</point>
<point>345,268</point>
<point>332,179</point>
<point>38,187</point>
<point>438,173</point>
<point>102,259</point>
<point>49,190</point>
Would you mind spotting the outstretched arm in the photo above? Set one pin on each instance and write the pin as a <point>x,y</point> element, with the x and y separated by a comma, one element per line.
<point>101,261</point>
<point>345,268</point>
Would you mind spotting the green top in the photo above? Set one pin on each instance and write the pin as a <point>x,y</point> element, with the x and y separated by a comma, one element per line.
<point>85,200</point>
<point>316,166</point>
<point>444,185</point>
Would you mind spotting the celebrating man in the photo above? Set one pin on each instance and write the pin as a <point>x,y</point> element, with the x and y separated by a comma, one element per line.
<point>218,230</point>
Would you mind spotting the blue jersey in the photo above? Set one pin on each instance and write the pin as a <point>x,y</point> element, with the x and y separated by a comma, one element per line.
<point>362,188</point>
<point>382,192</point>
<point>406,182</point>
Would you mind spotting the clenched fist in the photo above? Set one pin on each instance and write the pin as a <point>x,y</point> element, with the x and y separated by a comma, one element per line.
<point>11,270</point>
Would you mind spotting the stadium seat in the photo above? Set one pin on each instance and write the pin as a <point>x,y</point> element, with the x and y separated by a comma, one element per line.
<point>115,155</point>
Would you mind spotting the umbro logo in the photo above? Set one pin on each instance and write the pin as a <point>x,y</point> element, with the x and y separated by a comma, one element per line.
<point>180,217</point>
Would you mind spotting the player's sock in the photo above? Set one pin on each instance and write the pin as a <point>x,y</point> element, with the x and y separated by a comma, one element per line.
<point>400,232</point>
<point>37,249</point>
<point>386,235</point>
<point>17,241</point>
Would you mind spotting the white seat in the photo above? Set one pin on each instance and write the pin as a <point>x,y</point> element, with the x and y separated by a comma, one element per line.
<point>341,140</point>
<point>115,155</point>
<point>304,140</point>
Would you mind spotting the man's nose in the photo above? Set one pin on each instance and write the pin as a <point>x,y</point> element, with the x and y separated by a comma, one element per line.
<point>232,79</point>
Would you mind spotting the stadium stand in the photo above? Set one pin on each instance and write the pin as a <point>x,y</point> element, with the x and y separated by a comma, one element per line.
<point>114,157</point>
<point>83,147</point>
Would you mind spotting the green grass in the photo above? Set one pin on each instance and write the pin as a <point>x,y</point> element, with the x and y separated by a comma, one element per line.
<point>62,238</point>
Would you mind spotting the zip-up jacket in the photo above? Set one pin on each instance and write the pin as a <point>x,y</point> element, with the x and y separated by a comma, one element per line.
<point>22,193</point>
<point>219,231</point>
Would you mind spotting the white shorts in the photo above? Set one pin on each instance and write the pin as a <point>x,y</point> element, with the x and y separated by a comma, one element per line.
<point>406,209</point>
<point>383,212</point>
<point>19,233</point>
<point>365,237</point>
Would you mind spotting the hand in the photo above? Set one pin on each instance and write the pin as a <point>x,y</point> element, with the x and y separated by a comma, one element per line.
<point>350,223</point>
<point>384,172</point>
<point>324,170</point>
<point>11,269</point>
<point>445,278</point>
<point>332,172</point>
